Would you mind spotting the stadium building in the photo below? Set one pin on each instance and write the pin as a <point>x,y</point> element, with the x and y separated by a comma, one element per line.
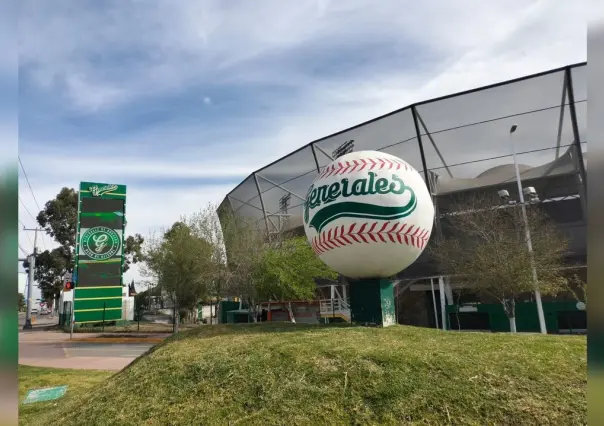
<point>461,144</point>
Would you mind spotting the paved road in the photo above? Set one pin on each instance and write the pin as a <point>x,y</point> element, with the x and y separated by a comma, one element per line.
<point>40,320</point>
<point>49,349</point>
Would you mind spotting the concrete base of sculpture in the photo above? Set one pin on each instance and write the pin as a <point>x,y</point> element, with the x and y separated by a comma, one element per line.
<point>372,302</point>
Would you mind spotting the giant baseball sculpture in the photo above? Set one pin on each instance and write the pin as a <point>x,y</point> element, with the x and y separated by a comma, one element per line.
<point>368,215</point>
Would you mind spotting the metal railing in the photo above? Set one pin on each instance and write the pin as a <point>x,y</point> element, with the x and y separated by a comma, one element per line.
<point>328,306</point>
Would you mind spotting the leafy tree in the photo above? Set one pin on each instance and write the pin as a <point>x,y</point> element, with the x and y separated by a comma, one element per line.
<point>179,260</point>
<point>281,269</point>
<point>485,250</point>
<point>59,220</point>
<point>289,270</point>
<point>50,268</point>
<point>204,257</point>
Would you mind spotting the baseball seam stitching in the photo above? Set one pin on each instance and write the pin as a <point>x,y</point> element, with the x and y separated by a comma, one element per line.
<point>340,236</point>
<point>346,167</point>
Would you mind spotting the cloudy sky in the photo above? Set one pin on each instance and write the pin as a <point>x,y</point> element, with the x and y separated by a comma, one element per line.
<point>182,100</point>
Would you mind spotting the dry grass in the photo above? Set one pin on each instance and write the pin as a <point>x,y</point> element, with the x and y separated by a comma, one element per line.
<point>275,374</point>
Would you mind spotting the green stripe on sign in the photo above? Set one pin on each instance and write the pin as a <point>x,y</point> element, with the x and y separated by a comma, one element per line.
<point>97,304</point>
<point>98,316</point>
<point>86,293</point>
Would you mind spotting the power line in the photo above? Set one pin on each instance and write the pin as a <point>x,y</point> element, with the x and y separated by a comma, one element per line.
<point>26,234</point>
<point>34,197</point>
<point>26,209</point>
<point>23,250</point>
<point>28,184</point>
<point>32,216</point>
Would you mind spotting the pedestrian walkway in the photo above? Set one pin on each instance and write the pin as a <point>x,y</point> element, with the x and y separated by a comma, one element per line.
<point>86,351</point>
<point>80,363</point>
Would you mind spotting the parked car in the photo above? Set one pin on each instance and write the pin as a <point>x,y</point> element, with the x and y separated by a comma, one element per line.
<point>34,311</point>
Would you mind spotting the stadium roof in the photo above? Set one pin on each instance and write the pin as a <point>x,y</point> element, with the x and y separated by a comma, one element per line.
<point>458,142</point>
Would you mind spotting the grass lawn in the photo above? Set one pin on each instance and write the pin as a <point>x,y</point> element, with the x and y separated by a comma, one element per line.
<point>79,381</point>
<point>276,374</point>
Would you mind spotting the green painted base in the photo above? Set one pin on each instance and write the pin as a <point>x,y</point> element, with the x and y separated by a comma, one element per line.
<point>372,302</point>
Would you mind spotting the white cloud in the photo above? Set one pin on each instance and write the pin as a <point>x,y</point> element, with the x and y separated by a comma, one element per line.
<point>189,42</point>
<point>98,169</point>
<point>100,59</point>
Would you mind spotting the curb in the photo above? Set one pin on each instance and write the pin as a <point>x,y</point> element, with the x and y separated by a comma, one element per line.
<point>118,339</point>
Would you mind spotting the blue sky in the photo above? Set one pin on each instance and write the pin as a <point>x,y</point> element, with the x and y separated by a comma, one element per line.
<point>193,96</point>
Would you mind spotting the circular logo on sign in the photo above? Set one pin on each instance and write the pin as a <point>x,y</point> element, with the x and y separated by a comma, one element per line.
<point>100,243</point>
<point>368,214</point>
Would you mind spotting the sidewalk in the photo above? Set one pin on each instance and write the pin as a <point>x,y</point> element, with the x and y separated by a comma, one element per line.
<point>87,351</point>
<point>80,363</point>
<point>60,336</point>
<point>120,338</point>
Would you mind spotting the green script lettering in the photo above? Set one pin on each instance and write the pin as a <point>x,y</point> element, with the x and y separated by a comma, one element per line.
<point>334,191</point>
<point>345,192</point>
<point>381,186</point>
<point>359,187</point>
<point>401,187</point>
<point>371,188</point>
<point>326,194</point>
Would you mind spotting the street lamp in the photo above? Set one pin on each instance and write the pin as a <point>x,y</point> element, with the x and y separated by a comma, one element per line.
<point>529,242</point>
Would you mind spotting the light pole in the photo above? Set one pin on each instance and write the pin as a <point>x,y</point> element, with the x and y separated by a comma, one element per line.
<point>527,231</point>
<point>30,281</point>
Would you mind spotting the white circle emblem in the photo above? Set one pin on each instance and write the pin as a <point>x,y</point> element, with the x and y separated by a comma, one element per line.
<point>100,243</point>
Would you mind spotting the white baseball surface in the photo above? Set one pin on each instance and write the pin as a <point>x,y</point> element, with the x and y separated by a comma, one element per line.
<point>368,214</point>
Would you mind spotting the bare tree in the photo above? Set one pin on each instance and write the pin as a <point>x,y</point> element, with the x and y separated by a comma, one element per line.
<point>207,224</point>
<point>485,250</point>
<point>246,247</point>
<point>578,288</point>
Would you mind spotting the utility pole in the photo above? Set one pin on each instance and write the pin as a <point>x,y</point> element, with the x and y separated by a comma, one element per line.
<point>529,242</point>
<point>32,268</point>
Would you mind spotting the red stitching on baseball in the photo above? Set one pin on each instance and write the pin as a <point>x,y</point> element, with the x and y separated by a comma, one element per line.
<point>340,236</point>
<point>342,168</point>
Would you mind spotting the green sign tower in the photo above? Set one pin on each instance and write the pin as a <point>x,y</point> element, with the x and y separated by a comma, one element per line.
<point>99,261</point>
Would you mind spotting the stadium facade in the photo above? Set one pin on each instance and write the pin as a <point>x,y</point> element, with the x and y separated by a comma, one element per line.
<point>461,144</point>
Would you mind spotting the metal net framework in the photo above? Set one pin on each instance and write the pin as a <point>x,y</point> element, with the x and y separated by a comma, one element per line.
<point>459,143</point>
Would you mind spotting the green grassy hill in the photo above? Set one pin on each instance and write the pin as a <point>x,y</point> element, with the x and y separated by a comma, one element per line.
<point>282,374</point>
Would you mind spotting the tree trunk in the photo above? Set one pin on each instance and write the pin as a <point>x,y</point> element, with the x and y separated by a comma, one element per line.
<point>211,310</point>
<point>176,319</point>
<point>291,312</point>
<point>509,306</point>
<point>252,310</point>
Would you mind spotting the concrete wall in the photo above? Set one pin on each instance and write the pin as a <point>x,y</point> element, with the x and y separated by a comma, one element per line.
<point>128,308</point>
<point>206,311</point>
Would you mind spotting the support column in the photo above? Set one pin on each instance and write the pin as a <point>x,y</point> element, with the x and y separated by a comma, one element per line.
<point>372,302</point>
<point>268,231</point>
<point>443,305</point>
<point>449,292</point>
<point>421,149</point>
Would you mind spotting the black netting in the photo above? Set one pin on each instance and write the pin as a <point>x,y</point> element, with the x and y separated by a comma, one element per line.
<point>466,142</point>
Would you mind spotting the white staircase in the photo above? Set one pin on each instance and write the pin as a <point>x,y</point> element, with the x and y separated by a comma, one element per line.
<point>335,308</point>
